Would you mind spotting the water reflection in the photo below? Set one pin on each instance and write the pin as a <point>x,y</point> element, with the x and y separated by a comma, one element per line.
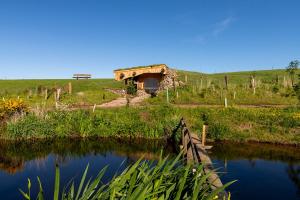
<point>263,171</point>
<point>294,174</point>
<point>14,154</point>
<point>253,151</point>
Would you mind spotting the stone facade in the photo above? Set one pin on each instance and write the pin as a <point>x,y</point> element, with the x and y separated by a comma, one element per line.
<point>149,78</point>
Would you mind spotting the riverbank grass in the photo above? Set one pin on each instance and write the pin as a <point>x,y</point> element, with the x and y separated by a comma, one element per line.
<point>274,125</point>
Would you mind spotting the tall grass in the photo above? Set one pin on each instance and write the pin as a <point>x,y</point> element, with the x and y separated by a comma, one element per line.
<point>274,125</point>
<point>143,180</point>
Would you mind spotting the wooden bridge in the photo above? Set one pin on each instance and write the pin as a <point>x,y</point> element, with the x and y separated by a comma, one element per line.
<point>195,152</point>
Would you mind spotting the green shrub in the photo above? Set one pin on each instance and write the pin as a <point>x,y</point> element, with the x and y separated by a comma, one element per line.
<point>275,89</point>
<point>131,89</point>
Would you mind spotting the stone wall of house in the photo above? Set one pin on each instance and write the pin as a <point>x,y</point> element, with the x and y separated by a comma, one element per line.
<point>169,80</point>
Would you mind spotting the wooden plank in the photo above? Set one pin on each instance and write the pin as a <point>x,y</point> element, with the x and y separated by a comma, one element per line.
<point>195,152</point>
<point>208,166</point>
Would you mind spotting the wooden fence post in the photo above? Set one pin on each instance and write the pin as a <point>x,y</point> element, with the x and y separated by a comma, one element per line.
<point>94,108</point>
<point>201,83</point>
<point>58,94</point>
<point>225,102</point>
<point>70,88</point>
<point>29,94</point>
<point>204,135</point>
<point>226,82</point>
<point>167,95</point>
<point>253,84</point>
<point>46,94</point>
<point>55,96</point>
<point>174,84</point>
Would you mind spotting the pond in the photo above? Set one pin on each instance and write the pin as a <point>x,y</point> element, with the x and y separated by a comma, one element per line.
<point>263,171</point>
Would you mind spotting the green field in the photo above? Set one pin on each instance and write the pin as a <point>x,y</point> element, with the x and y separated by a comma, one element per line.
<point>83,91</point>
<point>272,87</point>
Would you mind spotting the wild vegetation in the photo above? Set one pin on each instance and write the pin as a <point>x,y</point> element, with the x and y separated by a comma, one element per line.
<point>297,88</point>
<point>274,125</point>
<point>143,180</point>
<point>11,107</point>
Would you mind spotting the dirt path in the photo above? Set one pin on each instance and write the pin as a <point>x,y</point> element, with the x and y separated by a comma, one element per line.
<point>236,106</point>
<point>121,101</point>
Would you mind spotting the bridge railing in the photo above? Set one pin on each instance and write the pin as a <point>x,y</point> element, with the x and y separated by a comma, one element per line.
<point>194,151</point>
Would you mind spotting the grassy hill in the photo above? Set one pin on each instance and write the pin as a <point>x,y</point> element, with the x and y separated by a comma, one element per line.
<point>267,76</point>
<point>83,91</point>
<point>271,87</point>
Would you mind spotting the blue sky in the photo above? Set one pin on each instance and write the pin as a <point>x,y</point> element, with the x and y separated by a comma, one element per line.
<point>54,39</point>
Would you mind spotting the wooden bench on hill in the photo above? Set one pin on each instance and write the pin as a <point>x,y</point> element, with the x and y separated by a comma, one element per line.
<point>82,76</point>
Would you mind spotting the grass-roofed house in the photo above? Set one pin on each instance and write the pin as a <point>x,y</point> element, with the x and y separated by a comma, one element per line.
<point>148,78</point>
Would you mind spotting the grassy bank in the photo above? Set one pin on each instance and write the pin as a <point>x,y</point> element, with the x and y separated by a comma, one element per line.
<point>275,125</point>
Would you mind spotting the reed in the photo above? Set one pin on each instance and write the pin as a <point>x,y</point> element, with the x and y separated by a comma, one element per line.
<point>167,179</point>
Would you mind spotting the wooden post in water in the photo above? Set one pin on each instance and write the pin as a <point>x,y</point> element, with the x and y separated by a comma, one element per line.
<point>183,142</point>
<point>70,88</point>
<point>204,135</point>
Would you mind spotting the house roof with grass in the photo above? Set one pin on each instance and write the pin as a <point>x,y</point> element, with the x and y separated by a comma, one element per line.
<point>122,74</point>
